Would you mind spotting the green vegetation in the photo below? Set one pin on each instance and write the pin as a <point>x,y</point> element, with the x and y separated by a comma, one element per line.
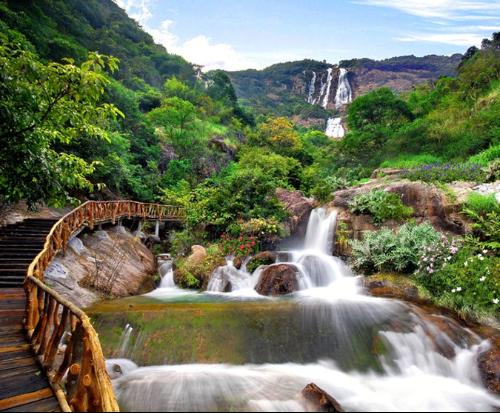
<point>390,251</point>
<point>382,206</point>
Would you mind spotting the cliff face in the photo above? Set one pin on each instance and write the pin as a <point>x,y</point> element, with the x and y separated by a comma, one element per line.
<point>309,89</point>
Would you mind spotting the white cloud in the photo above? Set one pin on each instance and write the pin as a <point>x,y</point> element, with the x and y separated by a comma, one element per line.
<point>200,50</point>
<point>443,9</point>
<point>456,39</point>
<point>136,9</point>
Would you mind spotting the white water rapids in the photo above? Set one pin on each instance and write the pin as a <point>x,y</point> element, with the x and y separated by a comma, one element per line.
<point>414,375</point>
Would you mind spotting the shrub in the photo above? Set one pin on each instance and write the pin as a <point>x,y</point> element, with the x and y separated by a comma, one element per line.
<point>466,281</point>
<point>447,173</point>
<point>487,156</point>
<point>481,205</point>
<point>323,190</point>
<point>382,205</point>
<point>386,250</point>
<point>196,275</point>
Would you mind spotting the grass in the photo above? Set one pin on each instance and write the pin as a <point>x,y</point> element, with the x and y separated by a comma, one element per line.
<point>481,204</point>
<point>411,161</point>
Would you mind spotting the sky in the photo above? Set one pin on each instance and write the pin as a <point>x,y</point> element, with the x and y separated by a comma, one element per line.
<point>243,34</point>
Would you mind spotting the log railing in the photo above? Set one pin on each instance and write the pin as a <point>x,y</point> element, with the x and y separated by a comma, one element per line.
<point>60,333</point>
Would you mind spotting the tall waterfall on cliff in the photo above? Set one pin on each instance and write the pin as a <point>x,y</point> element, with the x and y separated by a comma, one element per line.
<point>344,91</point>
<point>312,89</point>
<point>329,81</point>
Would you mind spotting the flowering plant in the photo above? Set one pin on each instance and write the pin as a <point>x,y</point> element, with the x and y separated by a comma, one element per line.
<point>446,173</point>
<point>438,255</point>
<point>241,246</point>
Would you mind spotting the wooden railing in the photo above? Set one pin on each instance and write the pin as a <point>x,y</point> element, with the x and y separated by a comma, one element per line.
<point>61,334</point>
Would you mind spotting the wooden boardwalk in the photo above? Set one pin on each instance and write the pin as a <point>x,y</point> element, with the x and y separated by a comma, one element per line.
<point>23,385</point>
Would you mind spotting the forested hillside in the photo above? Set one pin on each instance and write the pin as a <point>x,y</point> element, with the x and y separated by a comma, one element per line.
<point>283,89</point>
<point>117,143</point>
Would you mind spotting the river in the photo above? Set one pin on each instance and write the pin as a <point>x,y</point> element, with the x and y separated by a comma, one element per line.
<point>176,350</point>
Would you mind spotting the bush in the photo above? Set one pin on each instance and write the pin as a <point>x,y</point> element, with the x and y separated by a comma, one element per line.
<point>447,173</point>
<point>383,206</point>
<point>484,158</point>
<point>386,250</point>
<point>481,205</point>
<point>466,281</point>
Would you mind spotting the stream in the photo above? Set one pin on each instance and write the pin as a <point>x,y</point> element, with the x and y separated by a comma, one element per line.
<point>176,350</point>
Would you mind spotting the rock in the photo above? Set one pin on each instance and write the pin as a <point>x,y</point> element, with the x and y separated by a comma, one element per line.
<point>489,367</point>
<point>198,255</point>
<point>391,286</point>
<point>238,263</point>
<point>320,401</point>
<point>262,258</point>
<point>278,279</point>
<point>299,207</point>
<point>489,189</point>
<point>76,245</point>
<point>111,263</point>
<point>219,143</point>
<point>388,172</point>
<point>428,202</point>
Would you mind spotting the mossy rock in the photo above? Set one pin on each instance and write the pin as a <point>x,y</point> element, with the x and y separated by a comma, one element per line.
<point>391,285</point>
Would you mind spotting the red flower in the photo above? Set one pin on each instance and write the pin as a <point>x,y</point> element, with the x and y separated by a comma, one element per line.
<point>242,247</point>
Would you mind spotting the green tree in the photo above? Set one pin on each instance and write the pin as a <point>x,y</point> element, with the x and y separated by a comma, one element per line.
<point>43,108</point>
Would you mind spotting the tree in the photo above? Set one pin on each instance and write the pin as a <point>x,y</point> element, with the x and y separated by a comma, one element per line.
<point>280,135</point>
<point>43,108</point>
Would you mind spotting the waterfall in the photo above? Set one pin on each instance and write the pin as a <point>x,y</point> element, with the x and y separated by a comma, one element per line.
<point>321,231</point>
<point>312,89</point>
<point>125,340</point>
<point>329,81</point>
<point>322,91</point>
<point>167,275</point>
<point>344,91</point>
<point>334,128</point>
<point>410,362</point>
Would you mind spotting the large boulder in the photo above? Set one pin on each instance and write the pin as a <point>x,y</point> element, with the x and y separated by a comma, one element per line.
<point>392,286</point>
<point>278,279</point>
<point>318,400</point>
<point>198,255</point>
<point>429,204</point>
<point>262,258</point>
<point>298,207</point>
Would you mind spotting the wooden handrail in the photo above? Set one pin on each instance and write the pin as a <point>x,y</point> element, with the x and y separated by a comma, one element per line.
<point>61,334</point>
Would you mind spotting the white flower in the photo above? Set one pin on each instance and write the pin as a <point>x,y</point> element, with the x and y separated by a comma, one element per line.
<point>482,279</point>
<point>496,301</point>
<point>466,263</point>
<point>454,291</point>
<point>459,289</point>
<point>481,258</point>
<point>485,252</point>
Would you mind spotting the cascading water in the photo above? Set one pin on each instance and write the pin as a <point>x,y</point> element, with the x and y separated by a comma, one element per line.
<point>344,91</point>
<point>370,354</point>
<point>312,89</point>
<point>334,128</point>
<point>329,80</point>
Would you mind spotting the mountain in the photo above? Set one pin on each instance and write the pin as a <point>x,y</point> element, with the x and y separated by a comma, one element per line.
<point>70,28</point>
<point>308,90</point>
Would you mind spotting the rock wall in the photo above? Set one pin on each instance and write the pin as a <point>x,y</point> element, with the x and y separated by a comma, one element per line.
<point>429,203</point>
<point>111,263</point>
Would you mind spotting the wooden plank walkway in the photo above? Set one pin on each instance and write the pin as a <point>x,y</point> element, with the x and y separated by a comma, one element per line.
<point>23,385</point>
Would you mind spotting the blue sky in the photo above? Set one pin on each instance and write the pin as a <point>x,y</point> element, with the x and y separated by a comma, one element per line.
<point>241,34</point>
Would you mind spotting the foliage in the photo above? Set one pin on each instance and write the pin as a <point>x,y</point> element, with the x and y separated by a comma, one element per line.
<point>381,205</point>
<point>386,250</point>
<point>446,173</point>
<point>411,161</point>
<point>484,158</point>
<point>279,135</point>
<point>481,205</point>
<point>467,280</point>
<point>195,275</point>
<point>242,246</point>
<point>43,108</point>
